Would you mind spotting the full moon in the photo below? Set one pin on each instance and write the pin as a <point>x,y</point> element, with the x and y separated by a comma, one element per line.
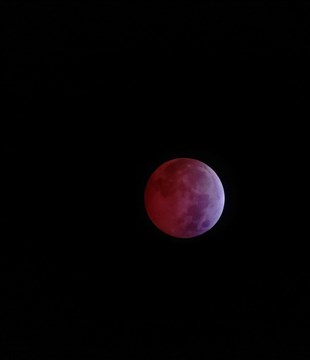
<point>184,198</point>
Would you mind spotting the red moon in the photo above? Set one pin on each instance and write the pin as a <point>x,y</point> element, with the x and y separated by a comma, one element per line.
<point>184,198</point>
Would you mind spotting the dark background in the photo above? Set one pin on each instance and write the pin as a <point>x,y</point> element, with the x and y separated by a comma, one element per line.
<point>96,96</point>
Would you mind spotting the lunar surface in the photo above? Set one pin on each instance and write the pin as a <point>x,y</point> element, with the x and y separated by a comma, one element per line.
<point>184,198</point>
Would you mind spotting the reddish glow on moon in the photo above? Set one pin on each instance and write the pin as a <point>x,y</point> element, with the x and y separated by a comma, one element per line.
<point>184,198</point>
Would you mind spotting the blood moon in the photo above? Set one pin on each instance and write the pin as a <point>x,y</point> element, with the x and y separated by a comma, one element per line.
<point>184,198</point>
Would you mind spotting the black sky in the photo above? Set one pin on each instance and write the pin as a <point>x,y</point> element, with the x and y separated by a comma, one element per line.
<point>98,95</point>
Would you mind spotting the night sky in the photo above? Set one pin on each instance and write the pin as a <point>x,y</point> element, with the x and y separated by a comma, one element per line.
<point>96,96</point>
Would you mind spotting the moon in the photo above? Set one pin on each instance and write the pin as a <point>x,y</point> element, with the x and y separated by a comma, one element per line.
<point>184,198</point>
